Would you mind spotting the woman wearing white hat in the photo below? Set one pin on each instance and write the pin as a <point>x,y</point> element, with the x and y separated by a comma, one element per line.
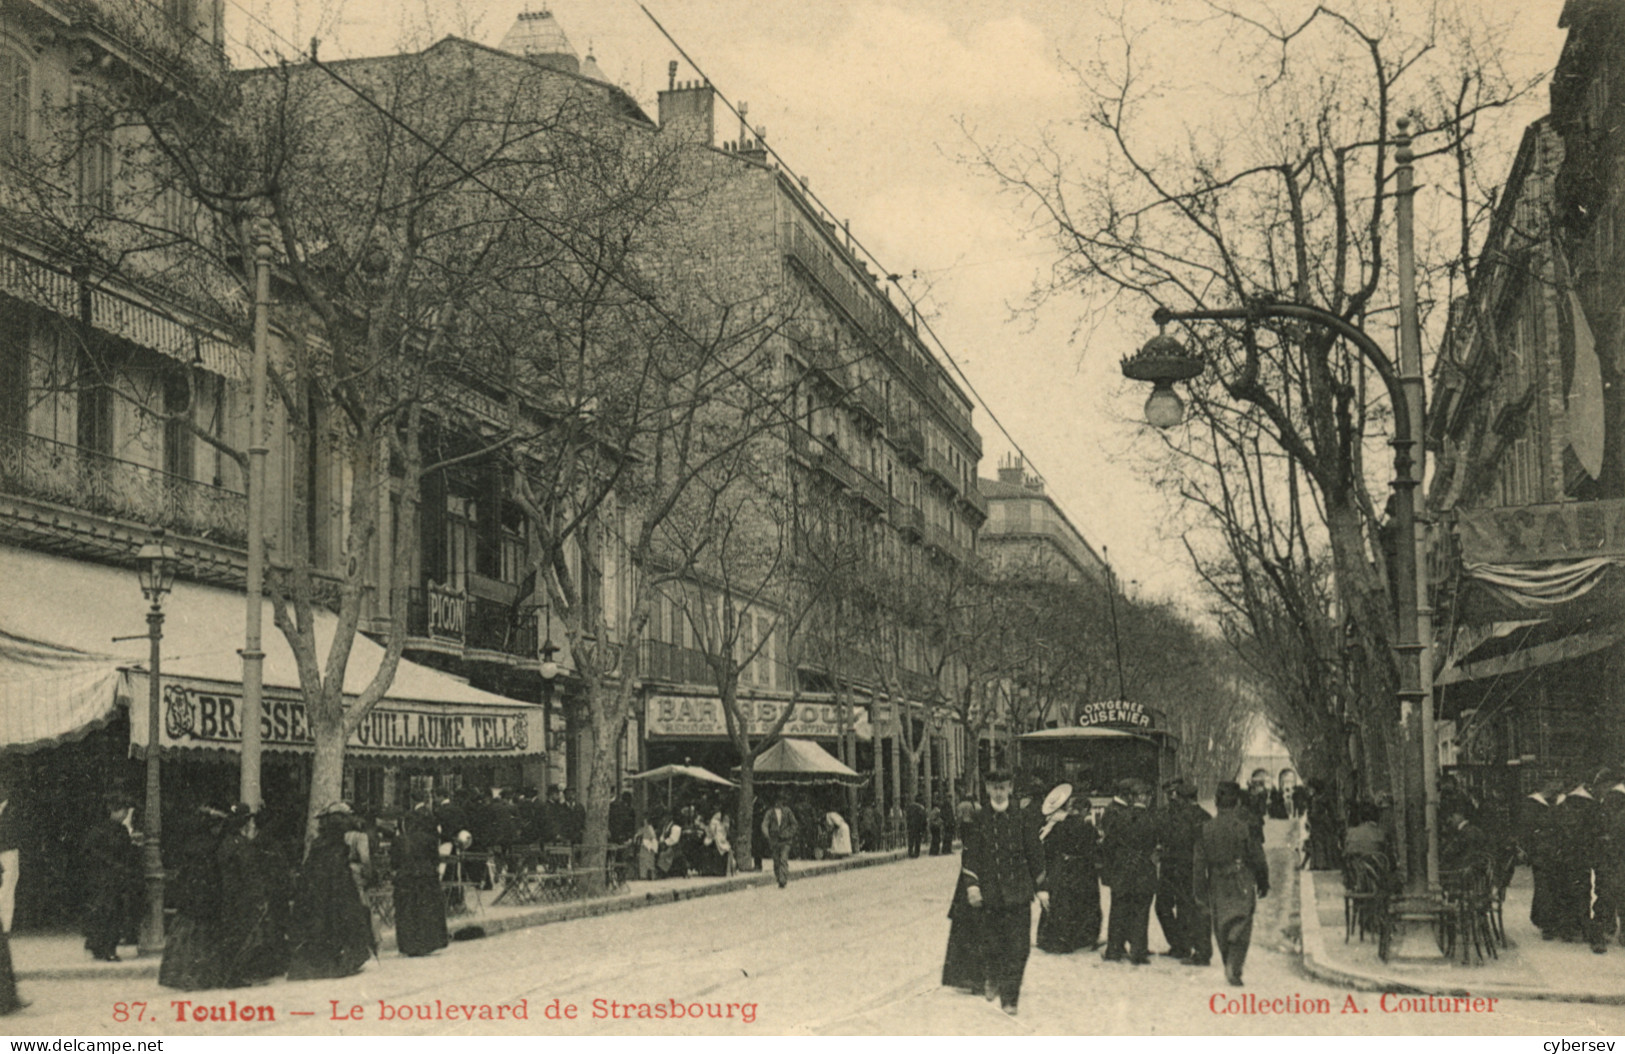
<point>1072,921</point>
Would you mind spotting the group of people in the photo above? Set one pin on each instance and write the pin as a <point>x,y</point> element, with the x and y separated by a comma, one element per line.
<point>1574,842</point>
<point>939,820</point>
<point>250,907</point>
<point>1202,874</point>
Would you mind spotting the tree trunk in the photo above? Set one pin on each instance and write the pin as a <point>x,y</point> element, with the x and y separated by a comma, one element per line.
<point>327,764</point>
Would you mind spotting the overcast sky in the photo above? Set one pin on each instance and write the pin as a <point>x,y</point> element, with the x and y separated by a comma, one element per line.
<point>868,99</point>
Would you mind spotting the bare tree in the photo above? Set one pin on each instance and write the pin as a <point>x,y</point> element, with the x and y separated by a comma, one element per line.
<point>1283,196</point>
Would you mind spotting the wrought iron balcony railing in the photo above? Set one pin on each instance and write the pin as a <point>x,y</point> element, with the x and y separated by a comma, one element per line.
<point>33,466</point>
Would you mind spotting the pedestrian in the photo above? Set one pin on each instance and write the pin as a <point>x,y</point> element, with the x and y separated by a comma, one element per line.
<point>1257,802</point>
<point>254,889</point>
<point>1579,844</point>
<point>1130,853</point>
<point>962,966</point>
<point>192,941</point>
<point>623,819</point>
<point>916,817</point>
<point>1228,868</point>
<point>420,906</point>
<point>575,815</point>
<point>840,835</point>
<point>1069,869</point>
<point>1184,923</point>
<point>1003,864</point>
<point>648,847</point>
<point>780,828</point>
<point>10,858</point>
<point>869,828</point>
<point>934,825</point>
<point>112,866</point>
<point>10,1001</point>
<point>1610,904</point>
<point>331,932</point>
<point>1537,842</point>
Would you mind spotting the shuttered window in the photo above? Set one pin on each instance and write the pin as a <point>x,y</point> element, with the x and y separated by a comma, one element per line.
<point>15,102</point>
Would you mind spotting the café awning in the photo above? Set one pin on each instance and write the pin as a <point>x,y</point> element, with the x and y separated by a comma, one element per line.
<point>61,674</point>
<point>801,761</point>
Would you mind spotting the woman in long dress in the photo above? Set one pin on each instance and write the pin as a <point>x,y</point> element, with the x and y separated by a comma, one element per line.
<point>253,903</point>
<point>840,835</point>
<point>420,906</point>
<point>331,931</point>
<point>962,963</point>
<point>1069,862</point>
<point>192,943</point>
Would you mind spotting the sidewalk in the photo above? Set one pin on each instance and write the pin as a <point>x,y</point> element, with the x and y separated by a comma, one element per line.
<point>63,956</point>
<point>1528,968</point>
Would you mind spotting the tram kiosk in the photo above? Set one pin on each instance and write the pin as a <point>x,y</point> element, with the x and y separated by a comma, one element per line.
<point>1111,741</point>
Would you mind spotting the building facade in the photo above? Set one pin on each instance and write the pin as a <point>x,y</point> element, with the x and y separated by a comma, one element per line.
<point>1525,423</point>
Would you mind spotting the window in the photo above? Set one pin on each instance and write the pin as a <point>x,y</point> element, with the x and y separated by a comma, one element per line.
<point>15,345</point>
<point>95,406</point>
<point>462,529</point>
<point>95,182</point>
<point>178,439</point>
<point>16,102</point>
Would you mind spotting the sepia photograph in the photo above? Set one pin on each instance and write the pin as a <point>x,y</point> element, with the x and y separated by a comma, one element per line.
<point>734,518</point>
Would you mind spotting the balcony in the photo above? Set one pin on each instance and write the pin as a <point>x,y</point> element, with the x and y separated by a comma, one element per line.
<point>451,621</point>
<point>870,491</point>
<point>910,440</point>
<point>939,539</point>
<point>832,463</point>
<point>974,500</point>
<point>674,664</point>
<point>870,402</point>
<point>907,519</point>
<point>33,466</point>
<point>937,463</point>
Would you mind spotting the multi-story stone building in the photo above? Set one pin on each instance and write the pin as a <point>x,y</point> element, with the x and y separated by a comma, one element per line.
<point>1525,423</point>
<point>123,394</point>
<point>1027,534</point>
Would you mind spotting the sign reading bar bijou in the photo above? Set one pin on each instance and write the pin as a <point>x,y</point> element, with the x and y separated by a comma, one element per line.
<point>211,718</point>
<point>702,717</point>
<point>1573,530</point>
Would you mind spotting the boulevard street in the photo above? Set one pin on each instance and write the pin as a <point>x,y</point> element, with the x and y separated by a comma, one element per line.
<point>854,953</point>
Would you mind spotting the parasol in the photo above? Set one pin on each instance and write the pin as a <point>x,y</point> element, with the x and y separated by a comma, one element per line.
<point>802,761</point>
<point>669,773</point>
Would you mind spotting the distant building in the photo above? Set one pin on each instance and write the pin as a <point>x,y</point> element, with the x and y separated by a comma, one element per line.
<point>1027,534</point>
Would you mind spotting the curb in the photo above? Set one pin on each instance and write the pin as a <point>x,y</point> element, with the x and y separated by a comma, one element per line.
<point>567,912</point>
<point>1316,965</point>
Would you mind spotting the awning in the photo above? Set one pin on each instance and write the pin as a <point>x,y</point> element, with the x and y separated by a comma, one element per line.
<point>800,761</point>
<point>60,673</point>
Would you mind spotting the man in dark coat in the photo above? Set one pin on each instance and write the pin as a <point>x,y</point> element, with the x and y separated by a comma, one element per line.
<point>1129,850</point>
<point>1610,904</point>
<point>916,817</point>
<point>1003,864</point>
<point>1537,839</point>
<point>1228,866</point>
<point>575,818</point>
<point>779,828</point>
<point>112,868</point>
<point>1579,845</point>
<point>1183,922</point>
<point>623,820</point>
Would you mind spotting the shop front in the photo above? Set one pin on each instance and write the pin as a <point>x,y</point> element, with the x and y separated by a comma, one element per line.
<point>74,718</point>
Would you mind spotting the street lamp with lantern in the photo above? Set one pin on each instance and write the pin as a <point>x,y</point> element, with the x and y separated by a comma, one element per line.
<point>155,567</point>
<point>1163,360</point>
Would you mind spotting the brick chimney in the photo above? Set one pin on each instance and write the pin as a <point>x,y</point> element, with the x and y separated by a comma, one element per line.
<point>689,108</point>
<point>1010,471</point>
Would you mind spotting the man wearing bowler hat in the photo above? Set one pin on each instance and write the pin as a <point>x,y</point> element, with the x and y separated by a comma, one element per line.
<point>1003,865</point>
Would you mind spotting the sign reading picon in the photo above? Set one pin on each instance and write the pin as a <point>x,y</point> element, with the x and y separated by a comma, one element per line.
<point>1120,712</point>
